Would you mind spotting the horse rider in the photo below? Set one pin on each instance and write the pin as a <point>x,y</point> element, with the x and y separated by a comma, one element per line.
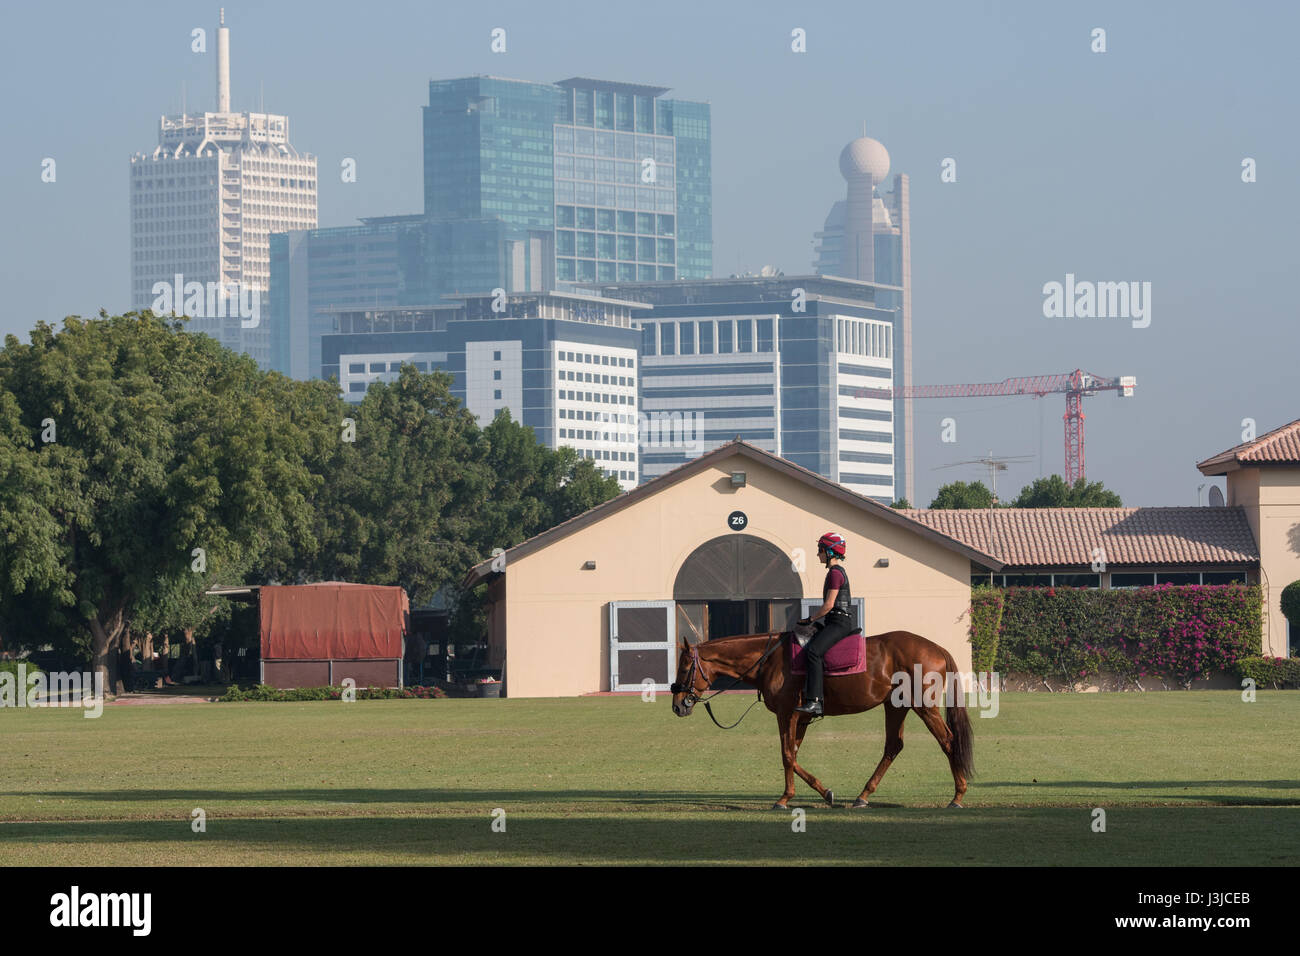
<point>833,622</point>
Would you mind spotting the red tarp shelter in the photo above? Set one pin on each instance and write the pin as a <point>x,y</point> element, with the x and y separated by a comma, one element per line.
<point>318,634</point>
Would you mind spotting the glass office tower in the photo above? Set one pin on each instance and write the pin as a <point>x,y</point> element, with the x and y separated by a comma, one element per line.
<point>621,175</point>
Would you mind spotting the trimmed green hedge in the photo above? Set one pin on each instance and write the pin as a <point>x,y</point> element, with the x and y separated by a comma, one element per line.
<point>262,692</point>
<point>985,624</point>
<point>1291,603</point>
<point>1179,632</point>
<point>1277,672</point>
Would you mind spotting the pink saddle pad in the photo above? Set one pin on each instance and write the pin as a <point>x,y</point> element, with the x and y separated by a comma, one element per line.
<point>847,656</point>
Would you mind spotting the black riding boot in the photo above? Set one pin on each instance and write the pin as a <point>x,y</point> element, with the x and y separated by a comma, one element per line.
<point>811,705</point>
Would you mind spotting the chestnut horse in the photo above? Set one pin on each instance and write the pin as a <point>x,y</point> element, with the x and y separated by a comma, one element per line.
<point>763,660</point>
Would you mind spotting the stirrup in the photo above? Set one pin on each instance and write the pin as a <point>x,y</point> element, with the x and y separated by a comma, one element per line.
<point>812,705</point>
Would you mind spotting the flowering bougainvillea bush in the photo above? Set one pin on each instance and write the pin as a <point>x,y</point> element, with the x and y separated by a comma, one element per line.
<point>1174,632</point>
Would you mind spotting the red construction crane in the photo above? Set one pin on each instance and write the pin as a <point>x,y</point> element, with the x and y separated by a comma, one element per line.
<point>1074,384</point>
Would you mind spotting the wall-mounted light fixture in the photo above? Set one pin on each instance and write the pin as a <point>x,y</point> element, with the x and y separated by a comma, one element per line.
<point>882,562</point>
<point>589,566</point>
<point>737,479</point>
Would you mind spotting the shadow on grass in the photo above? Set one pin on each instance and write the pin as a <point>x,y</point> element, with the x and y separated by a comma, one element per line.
<point>1236,799</point>
<point>666,799</point>
<point>1147,784</point>
<point>1183,836</point>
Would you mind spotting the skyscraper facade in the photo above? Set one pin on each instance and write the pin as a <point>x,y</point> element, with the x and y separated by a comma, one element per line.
<point>799,365</point>
<point>564,364</point>
<point>386,262</point>
<point>867,236</point>
<point>204,203</point>
<point>619,173</point>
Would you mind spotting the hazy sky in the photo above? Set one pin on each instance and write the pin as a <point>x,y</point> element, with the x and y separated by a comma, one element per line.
<point>1116,166</point>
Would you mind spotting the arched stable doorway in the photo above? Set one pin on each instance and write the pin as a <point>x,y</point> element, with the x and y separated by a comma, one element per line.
<point>735,584</point>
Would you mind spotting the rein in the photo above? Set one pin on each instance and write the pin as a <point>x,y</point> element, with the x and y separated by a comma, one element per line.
<point>697,665</point>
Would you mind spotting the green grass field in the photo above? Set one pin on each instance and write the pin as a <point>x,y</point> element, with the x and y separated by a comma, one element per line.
<point>1197,778</point>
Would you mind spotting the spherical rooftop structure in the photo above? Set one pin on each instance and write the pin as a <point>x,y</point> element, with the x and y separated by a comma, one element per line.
<point>865,156</point>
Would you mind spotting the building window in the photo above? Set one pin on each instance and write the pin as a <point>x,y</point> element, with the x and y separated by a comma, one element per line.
<point>745,335</point>
<point>1131,580</point>
<point>1076,580</point>
<point>496,394</point>
<point>1223,577</point>
<point>706,338</point>
<point>496,374</point>
<point>724,336</point>
<point>687,335</point>
<point>496,356</point>
<point>666,344</point>
<point>1027,580</point>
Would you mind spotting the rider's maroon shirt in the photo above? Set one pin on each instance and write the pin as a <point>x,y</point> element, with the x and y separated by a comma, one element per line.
<point>834,581</point>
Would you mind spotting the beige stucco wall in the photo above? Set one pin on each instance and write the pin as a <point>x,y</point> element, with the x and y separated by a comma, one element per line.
<point>557,615</point>
<point>1243,490</point>
<point>1278,536</point>
<point>1271,497</point>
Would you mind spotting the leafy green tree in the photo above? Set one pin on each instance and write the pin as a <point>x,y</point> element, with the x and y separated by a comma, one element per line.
<point>140,465</point>
<point>400,503</point>
<point>143,456</point>
<point>959,494</point>
<point>534,488</point>
<point>901,504</point>
<point>1054,492</point>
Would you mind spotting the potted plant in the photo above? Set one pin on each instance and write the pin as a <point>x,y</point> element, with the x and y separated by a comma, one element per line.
<point>489,687</point>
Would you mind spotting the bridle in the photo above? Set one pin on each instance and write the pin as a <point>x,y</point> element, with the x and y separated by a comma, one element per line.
<point>692,698</point>
<point>697,667</point>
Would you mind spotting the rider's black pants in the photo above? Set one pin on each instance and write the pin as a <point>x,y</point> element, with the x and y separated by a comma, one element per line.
<point>830,630</point>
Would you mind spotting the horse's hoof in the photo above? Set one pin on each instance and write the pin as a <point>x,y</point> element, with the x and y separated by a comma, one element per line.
<point>779,806</point>
<point>955,806</point>
<point>830,798</point>
<point>858,805</point>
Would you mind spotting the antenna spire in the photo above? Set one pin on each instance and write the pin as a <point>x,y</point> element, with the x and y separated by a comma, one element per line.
<point>223,65</point>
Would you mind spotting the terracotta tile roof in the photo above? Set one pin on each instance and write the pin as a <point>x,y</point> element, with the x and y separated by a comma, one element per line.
<point>1055,537</point>
<point>1280,446</point>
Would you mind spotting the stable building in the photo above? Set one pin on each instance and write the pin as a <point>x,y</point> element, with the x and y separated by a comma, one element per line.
<point>724,544</point>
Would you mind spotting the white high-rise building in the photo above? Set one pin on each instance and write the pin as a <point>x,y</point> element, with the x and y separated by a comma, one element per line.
<point>868,236</point>
<point>204,203</point>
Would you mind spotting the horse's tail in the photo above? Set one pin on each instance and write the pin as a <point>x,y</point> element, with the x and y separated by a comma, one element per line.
<point>962,758</point>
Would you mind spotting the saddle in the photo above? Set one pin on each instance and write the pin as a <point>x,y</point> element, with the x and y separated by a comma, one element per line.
<point>846,656</point>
